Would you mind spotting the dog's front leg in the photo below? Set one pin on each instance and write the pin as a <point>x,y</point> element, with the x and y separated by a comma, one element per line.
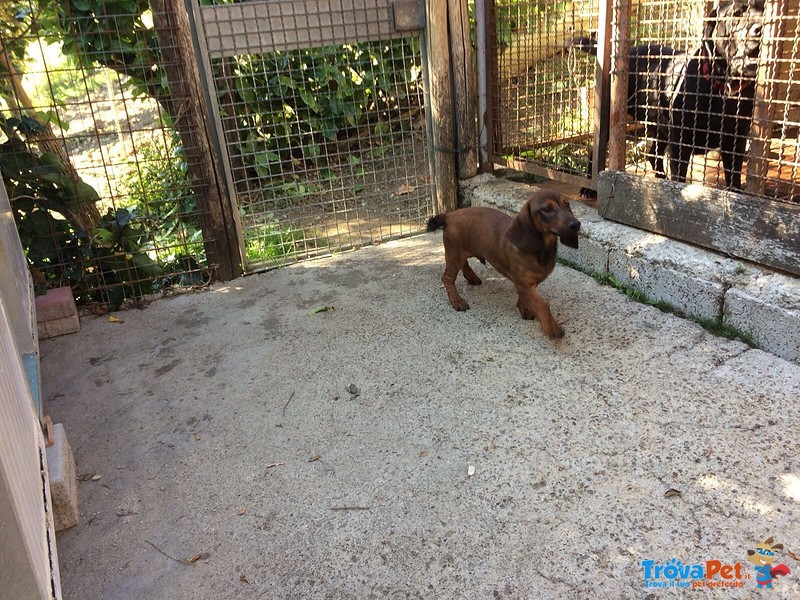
<point>532,306</point>
<point>732,161</point>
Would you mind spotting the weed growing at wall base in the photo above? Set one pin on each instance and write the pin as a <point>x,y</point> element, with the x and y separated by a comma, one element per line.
<point>714,325</point>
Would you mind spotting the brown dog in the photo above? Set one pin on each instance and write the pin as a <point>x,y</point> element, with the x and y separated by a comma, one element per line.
<point>522,248</point>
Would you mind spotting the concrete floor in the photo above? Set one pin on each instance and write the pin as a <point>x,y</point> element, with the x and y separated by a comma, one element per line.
<point>232,445</point>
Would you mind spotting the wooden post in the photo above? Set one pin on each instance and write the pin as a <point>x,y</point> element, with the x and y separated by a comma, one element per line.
<point>764,107</point>
<point>464,88</point>
<point>602,92</point>
<point>171,19</point>
<point>441,93</point>
<point>618,110</point>
<point>490,121</point>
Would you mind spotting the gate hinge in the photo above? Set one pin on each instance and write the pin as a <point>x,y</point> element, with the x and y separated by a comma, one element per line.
<point>409,15</point>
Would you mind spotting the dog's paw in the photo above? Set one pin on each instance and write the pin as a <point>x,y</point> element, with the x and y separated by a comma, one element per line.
<point>554,331</point>
<point>460,304</point>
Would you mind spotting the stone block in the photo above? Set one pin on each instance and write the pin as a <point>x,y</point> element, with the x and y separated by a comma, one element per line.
<point>63,481</point>
<point>56,313</point>
<point>768,310</point>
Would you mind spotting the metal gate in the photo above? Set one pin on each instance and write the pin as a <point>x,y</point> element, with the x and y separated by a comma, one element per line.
<point>542,103</point>
<point>320,116</point>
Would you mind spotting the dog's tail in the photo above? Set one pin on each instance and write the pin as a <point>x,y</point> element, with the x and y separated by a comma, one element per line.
<point>435,222</point>
<point>584,44</point>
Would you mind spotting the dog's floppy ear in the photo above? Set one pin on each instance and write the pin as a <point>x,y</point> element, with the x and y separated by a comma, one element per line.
<point>522,233</point>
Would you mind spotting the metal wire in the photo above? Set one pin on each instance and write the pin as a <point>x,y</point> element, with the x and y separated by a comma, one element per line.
<point>545,92</point>
<point>331,151</point>
<point>115,144</point>
<point>677,120</point>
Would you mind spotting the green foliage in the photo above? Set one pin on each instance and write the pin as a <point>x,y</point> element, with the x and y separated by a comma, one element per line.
<point>721,329</point>
<point>297,101</point>
<point>160,188</point>
<point>119,244</point>
<point>41,176</point>
<point>516,15</point>
<point>43,191</point>
<point>565,157</point>
<point>271,242</point>
<point>117,34</point>
<point>53,248</point>
<point>289,107</point>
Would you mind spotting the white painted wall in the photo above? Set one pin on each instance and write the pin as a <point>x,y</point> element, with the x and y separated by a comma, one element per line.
<point>28,561</point>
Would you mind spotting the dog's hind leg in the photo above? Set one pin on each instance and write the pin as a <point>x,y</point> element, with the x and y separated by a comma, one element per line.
<point>454,261</point>
<point>470,275</point>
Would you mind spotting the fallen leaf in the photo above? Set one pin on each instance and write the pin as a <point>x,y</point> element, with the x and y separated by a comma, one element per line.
<point>319,309</point>
<point>404,189</point>
<point>113,319</point>
<point>422,453</point>
<point>85,477</point>
<point>99,309</point>
<point>793,555</point>
<point>671,493</point>
<point>241,511</point>
<point>315,458</point>
<point>244,579</point>
<point>193,559</point>
<point>269,466</point>
<point>197,437</point>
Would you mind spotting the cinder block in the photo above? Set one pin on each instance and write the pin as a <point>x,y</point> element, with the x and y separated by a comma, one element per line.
<point>683,290</point>
<point>63,482</point>
<point>769,311</point>
<point>55,304</point>
<point>56,313</point>
<point>50,329</point>
<point>591,256</point>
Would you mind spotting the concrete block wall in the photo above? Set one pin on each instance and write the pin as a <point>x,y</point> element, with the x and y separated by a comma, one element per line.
<point>699,283</point>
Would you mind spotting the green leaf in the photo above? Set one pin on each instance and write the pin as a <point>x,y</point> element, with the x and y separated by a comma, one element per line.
<point>319,309</point>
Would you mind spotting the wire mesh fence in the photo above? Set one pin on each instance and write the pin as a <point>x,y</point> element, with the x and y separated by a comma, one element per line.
<point>329,149</point>
<point>713,90</point>
<point>544,92</point>
<point>96,172</point>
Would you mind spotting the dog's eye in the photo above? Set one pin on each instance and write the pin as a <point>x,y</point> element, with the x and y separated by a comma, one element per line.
<point>547,208</point>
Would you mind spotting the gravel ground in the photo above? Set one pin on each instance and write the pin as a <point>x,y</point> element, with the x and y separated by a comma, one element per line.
<point>236,443</point>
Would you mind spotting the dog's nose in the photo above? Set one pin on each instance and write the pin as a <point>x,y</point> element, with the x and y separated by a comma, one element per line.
<point>574,225</point>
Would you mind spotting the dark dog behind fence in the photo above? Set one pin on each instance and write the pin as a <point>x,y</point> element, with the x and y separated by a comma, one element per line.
<point>690,103</point>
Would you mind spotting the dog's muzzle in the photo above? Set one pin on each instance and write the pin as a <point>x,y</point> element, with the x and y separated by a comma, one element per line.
<point>569,237</point>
